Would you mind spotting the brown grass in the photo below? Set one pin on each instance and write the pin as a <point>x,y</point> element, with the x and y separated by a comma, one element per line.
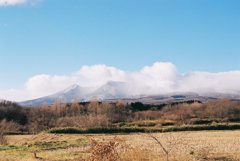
<point>181,146</point>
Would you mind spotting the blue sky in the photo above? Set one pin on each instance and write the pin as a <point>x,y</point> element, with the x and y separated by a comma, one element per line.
<point>59,36</point>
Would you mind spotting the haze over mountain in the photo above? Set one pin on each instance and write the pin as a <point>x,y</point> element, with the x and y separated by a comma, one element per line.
<point>110,90</point>
<point>113,90</point>
<point>68,94</point>
<point>158,79</point>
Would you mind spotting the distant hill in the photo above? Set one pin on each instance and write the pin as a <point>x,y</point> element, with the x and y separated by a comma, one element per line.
<point>112,91</point>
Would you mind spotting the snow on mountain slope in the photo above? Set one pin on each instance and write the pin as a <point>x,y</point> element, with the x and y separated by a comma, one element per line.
<point>72,92</point>
<point>111,90</point>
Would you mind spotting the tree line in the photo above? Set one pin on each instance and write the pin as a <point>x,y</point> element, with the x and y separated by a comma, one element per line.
<point>14,117</point>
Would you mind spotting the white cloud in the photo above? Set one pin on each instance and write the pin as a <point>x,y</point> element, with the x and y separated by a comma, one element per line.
<point>225,82</point>
<point>46,84</point>
<point>14,94</point>
<point>159,78</point>
<point>98,74</point>
<point>15,2</point>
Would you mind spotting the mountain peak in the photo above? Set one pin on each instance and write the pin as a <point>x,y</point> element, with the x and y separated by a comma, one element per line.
<point>111,90</point>
<point>114,83</point>
<point>72,87</point>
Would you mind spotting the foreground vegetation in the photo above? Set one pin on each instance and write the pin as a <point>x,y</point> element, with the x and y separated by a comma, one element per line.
<point>97,117</point>
<point>180,146</point>
<point>110,130</point>
<point>97,130</point>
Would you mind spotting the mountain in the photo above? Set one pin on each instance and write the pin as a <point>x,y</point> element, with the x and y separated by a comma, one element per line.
<point>68,94</point>
<point>74,91</point>
<point>112,91</point>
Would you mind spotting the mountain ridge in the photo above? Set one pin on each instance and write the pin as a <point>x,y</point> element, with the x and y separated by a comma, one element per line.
<point>110,90</point>
<point>113,90</point>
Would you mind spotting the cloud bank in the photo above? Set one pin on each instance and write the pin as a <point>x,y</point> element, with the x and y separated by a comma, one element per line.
<point>159,78</point>
<point>15,2</point>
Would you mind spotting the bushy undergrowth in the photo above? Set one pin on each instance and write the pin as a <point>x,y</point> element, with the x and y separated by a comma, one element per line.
<point>97,130</point>
<point>110,130</point>
<point>120,116</point>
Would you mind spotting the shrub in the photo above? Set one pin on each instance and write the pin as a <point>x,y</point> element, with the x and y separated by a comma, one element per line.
<point>167,124</point>
<point>234,119</point>
<point>97,130</point>
<point>11,111</point>
<point>147,115</point>
<point>83,121</point>
<point>200,122</point>
<point>146,124</point>
<point>203,127</point>
<point>104,151</point>
<point>9,126</point>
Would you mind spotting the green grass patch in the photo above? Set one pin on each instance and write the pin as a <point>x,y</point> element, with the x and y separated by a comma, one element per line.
<point>98,130</point>
<point>234,119</point>
<point>146,123</point>
<point>8,147</point>
<point>16,133</point>
<point>140,124</point>
<point>49,145</point>
<point>202,121</point>
<point>167,124</point>
<point>110,130</point>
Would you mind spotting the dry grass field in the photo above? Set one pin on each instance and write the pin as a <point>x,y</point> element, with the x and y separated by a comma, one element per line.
<point>180,146</point>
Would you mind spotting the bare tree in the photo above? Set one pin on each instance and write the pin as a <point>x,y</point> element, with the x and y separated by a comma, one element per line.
<point>3,139</point>
<point>171,142</point>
